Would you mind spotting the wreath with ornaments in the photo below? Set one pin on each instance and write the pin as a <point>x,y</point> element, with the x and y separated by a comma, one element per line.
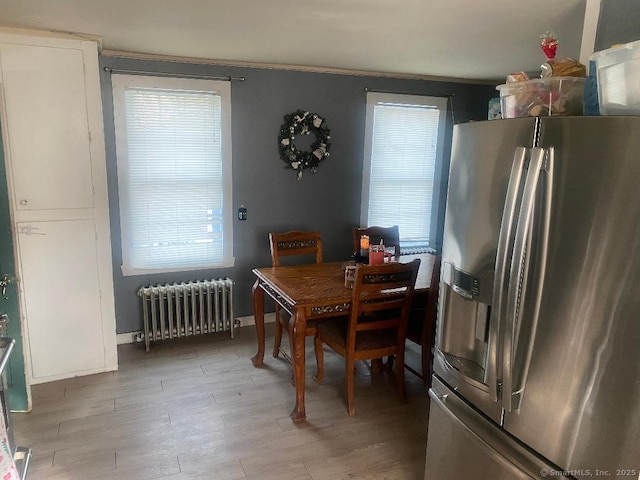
<point>303,123</point>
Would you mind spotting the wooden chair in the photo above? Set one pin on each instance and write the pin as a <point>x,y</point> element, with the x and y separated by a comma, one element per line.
<point>376,325</point>
<point>390,236</point>
<point>293,243</point>
<point>422,326</point>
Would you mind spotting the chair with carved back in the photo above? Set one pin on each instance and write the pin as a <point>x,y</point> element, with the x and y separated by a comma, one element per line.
<point>302,245</point>
<point>422,326</point>
<point>390,237</point>
<point>376,325</point>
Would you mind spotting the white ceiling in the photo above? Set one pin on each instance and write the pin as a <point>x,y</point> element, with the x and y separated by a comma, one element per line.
<point>467,39</point>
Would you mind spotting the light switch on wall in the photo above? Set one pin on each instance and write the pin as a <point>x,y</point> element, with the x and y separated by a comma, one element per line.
<point>242,212</point>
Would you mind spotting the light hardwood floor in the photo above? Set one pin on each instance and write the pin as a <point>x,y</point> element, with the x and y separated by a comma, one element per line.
<point>197,409</point>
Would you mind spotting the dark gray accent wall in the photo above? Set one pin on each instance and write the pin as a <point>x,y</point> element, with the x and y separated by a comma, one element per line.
<point>619,22</point>
<point>328,200</point>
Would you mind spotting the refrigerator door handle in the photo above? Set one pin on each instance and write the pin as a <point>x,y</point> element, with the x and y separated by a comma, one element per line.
<point>538,281</point>
<point>505,247</point>
<point>519,274</point>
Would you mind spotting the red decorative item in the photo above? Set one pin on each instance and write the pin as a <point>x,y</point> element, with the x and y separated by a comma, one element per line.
<point>549,45</point>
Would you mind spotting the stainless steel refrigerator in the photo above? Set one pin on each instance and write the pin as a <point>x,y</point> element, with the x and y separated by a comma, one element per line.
<point>537,361</point>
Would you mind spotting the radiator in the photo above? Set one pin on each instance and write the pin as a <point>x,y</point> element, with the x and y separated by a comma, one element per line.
<point>185,309</point>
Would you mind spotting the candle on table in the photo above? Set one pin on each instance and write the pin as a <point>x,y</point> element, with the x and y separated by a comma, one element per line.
<point>364,245</point>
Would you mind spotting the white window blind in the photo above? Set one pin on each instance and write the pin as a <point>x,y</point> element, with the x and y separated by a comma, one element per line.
<point>403,143</point>
<point>174,173</point>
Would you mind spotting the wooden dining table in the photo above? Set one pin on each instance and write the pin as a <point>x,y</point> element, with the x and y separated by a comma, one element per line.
<point>313,291</point>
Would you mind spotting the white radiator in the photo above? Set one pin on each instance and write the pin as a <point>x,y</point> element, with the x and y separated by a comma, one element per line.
<point>184,309</point>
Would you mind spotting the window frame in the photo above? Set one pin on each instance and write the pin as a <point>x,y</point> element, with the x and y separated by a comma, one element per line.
<point>119,84</point>
<point>439,103</point>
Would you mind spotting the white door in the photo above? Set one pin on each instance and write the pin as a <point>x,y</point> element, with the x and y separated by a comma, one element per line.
<point>59,274</point>
<point>54,151</point>
<point>47,123</point>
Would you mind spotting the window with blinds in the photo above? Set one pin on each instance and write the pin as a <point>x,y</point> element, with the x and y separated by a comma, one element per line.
<point>173,146</point>
<point>403,143</point>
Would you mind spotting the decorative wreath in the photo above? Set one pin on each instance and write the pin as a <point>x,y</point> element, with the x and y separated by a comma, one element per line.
<point>303,123</point>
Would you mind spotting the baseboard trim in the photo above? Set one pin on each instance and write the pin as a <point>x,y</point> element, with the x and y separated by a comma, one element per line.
<point>130,337</point>
<point>250,320</point>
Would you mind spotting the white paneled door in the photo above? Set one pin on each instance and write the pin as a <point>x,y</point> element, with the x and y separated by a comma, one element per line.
<point>51,109</point>
<point>47,121</point>
<point>59,272</point>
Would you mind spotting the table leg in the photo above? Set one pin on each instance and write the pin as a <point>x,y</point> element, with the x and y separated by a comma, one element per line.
<point>258,312</point>
<point>298,414</point>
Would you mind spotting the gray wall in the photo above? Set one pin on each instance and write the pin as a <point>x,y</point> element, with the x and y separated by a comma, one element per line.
<point>619,22</point>
<point>328,200</point>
